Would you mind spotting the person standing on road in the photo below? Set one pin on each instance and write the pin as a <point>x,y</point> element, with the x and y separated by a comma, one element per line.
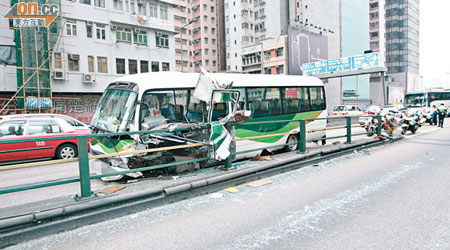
<point>442,112</point>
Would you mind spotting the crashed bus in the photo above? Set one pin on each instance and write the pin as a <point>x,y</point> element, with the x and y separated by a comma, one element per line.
<point>167,100</point>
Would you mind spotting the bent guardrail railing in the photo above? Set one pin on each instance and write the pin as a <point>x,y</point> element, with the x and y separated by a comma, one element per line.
<point>84,157</point>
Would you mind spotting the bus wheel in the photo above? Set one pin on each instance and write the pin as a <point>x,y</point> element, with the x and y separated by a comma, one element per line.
<point>291,147</point>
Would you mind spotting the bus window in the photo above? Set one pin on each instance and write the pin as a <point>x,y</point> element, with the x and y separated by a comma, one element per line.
<point>264,101</point>
<point>317,98</point>
<point>296,100</point>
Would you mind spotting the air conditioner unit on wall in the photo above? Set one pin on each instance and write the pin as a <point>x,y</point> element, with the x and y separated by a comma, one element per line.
<point>88,78</point>
<point>59,75</point>
<point>158,34</point>
<point>136,30</point>
<point>74,57</point>
<point>113,27</point>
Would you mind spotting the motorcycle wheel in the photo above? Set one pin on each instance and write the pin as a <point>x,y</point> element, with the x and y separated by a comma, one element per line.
<point>403,131</point>
<point>413,129</point>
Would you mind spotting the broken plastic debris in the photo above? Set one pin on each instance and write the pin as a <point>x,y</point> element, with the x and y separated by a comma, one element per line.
<point>261,158</point>
<point>175,177</point>
<point>259,183</point>
<point>111,189</point>
<point>231,190</point>
<point>216,196</point>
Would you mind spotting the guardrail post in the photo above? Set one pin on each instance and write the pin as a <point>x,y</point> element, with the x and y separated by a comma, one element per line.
<point>302,137</point>
<point>349,129</point>
<point>228,160</point>
<point>379,125</point>
<point>83,164</point>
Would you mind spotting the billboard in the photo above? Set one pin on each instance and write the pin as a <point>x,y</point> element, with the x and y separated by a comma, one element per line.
<point>304,47</point>
<point>342,64</point>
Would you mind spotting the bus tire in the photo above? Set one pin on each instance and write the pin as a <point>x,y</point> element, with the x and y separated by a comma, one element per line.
<point>292,147</point>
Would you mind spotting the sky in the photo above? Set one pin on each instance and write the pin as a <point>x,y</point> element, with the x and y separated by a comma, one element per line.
<point>435,42</point>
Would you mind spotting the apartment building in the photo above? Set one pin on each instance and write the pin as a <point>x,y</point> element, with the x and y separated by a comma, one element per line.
<point>196,43</point>
<point>267,57</point>
<point>248,22</point>
<point>102,40</point>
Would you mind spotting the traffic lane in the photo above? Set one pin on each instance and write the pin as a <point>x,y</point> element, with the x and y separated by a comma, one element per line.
<point>41,174</point>
<point>384,198</point>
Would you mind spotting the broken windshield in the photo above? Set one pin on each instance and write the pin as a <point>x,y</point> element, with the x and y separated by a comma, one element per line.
<point>115,110</point>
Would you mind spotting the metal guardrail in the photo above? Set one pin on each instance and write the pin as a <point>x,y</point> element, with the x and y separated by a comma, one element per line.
<point>83,154</point>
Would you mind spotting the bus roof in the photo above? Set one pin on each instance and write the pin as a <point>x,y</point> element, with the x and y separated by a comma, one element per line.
<point>164,80</point>
<point>416,93</point>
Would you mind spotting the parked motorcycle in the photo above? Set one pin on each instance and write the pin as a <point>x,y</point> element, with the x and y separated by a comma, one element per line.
<point>370,124</point>
<point>412,122</point>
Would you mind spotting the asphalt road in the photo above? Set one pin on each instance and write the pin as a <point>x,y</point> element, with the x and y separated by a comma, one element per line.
<point>392,197</point>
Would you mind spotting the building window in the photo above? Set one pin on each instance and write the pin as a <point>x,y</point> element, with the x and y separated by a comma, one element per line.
<point>212,9</point>
<point>205,6</point>
<point>132,7</point>
<point>279,52</point>
<point>155,66</point>
<point>213,19</point>
<point>102,64</point>
<point>206,51</point>
<point>90,64</point>
<point>123,34</point>
<point>120,66</point>
<point>165,66</point>
<point>206,62</point>
<point>267,71</point>
<point>142,8</point>
<point>205,18</point>
<point>132,67</point>
<point>280,69</point>
<point>205,29</point>
<point>164,12</point>
<point>213,31</point>
<point>85,2</point>
<point>118,4</point>
<point>140,37</point>
<point>162,40</point>
<point>57,60</point>
<point>213,52</point>
<point>73,62</point>
<point>88,30</point>
<point>99,3</point>
<point>206,40</point>
<point>266,54</point>
<point>153,10</point>
<point>71,27</point>
<point>101,31</point>
<point>214,63</point>
<point>144,66</point>
<point>213,41</point>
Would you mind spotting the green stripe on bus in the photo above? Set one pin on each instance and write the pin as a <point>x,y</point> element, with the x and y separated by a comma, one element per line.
<point>243,131</point>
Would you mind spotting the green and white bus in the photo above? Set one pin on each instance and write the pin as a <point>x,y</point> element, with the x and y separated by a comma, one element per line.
<point>162,100</point>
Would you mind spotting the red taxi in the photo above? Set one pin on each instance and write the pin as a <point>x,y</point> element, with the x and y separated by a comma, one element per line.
<point>16,127</point>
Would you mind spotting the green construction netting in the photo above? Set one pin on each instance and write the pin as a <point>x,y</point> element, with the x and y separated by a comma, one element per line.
<point>34,46</point>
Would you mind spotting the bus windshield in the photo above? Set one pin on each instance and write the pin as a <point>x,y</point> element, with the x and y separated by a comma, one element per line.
<point>413,101</point>
<point>115,110</point>
<point>438,96</point>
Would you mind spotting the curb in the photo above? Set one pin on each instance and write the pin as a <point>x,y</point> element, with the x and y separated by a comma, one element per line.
<point>14,230</point>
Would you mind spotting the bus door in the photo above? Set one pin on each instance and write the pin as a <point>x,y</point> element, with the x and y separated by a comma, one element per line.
<point>223,102</point>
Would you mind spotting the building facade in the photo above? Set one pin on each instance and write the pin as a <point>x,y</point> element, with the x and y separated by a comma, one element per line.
<point>248,22</point>
<point>402,44</point>
<point>269,56</point>
<point>198,40</point>
<point>102,40</point>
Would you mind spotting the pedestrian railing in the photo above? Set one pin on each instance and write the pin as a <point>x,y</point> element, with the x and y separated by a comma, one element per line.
<point>83,158</point>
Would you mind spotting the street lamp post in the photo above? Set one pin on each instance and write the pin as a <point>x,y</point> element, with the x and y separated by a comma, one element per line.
<point>181,41</point>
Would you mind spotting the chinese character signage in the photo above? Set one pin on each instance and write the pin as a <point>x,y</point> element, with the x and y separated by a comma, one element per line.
<point>342,64</point>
